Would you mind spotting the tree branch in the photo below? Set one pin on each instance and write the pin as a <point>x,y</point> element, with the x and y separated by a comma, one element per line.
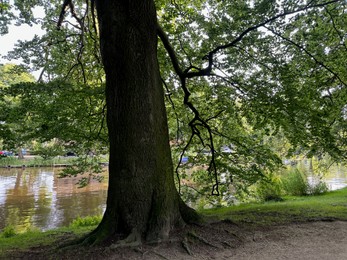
<point>307,53</point>
<point>207,71</point>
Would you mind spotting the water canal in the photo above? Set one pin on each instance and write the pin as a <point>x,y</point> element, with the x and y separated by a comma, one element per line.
<point>36,197</point>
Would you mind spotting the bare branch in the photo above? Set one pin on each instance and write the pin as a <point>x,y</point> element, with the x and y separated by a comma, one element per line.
<point>68,5</point>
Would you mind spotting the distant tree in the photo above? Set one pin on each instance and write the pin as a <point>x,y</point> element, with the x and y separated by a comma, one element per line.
<point>11,74</point>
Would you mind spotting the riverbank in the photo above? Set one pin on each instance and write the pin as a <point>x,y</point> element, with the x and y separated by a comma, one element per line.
<point>311,227</point>
<point>30,161</point>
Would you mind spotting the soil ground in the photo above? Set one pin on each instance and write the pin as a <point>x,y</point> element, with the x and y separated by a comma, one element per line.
<point>224,240</point>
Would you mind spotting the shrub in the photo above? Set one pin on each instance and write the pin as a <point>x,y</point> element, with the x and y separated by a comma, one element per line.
<point>9,231</point>
<point>295,183</point>
<point>319,188</point>
<point>270,189</point>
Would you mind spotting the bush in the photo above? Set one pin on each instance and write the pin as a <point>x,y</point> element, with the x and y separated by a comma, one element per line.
<point>48,150</point>
<point>9,231</point>
<point>319,188</point>
<point>270,189</point>
<point>295,183</point>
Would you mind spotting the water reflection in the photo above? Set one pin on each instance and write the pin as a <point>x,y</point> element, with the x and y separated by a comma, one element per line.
<point>37,198</point>
<point>335,176</point>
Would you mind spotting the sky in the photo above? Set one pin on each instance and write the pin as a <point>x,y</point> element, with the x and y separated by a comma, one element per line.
<point>22,32</point>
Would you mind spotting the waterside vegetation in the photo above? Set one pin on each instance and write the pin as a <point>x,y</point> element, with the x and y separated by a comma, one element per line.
<point>330,206</point>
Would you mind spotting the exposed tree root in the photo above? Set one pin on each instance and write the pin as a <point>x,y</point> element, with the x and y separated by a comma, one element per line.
<point>233,234</point>
<point>201,239</point>
<point>133,240</point>
<point>160,255</point>
<point>185,245</point>
<point>225,243</point>
<point>188,214</point>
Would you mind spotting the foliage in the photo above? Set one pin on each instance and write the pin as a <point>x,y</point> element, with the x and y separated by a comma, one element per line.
<point>8,231</point>
<point>92,165</point>
<point>49,150</point>
<point>270,189</point>
<point>318,188</point>
<point>267,78</point>
<point>11,74</point>
<point>295,183</point>
<point>86,221</point>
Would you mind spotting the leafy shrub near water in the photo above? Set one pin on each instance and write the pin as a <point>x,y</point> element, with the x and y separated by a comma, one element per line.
<point>295,183</point>
<point>270,189</point>
<point>319,188</point>
<point>86,221</point>
<point>9,231</point>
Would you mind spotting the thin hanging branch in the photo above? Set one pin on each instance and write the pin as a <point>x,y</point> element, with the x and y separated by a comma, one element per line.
<point>197,119</point>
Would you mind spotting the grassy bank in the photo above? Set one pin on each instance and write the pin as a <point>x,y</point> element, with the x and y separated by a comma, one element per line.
<point>12,243</point>
<point>330,206</point>
<point>37,161</point>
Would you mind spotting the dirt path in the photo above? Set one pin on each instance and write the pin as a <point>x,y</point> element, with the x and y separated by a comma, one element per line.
<point>307,241</point>
<point>225,240</point>
<point>316,240</point>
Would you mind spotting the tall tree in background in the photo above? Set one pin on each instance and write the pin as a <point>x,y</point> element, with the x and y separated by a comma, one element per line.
<point>234,61</point>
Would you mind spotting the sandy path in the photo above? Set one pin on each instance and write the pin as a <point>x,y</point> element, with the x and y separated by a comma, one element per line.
<point>316,240</point>
<point>225,240</point>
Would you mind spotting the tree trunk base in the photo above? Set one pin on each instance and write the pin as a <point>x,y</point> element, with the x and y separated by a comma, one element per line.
<point>106,233</point>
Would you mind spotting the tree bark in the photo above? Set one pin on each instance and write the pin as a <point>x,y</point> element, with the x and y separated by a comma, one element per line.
<point>142,201</point>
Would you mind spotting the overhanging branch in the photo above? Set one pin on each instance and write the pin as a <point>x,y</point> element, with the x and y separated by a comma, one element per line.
<point>210,56</point>
<point>302,48</point>
<point>197,120</point>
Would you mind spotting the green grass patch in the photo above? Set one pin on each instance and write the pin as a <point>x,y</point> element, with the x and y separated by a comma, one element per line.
<point>16,243</point>
<point>329,206</point>
<point>86,221</point>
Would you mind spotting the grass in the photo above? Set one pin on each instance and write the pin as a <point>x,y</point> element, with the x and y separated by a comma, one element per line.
<point>330,206</point>
<point>11,242</point>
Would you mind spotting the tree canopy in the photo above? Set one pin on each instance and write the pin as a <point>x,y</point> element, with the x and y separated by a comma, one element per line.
<point>239,60</point>
<point>239,78</point>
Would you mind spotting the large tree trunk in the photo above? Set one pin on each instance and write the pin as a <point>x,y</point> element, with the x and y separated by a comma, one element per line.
<point>142,199</point>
